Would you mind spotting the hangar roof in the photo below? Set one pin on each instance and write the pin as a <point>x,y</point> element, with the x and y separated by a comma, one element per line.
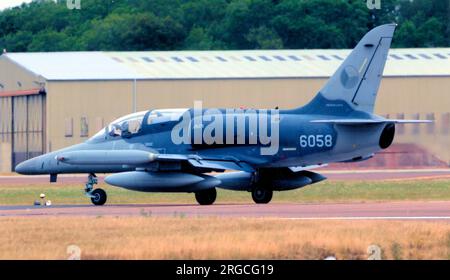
<point>220,64</point>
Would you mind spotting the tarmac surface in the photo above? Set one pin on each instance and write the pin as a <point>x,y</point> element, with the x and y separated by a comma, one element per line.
<point>337,175</point>
<point>435,210</point>
<point>408,210</point>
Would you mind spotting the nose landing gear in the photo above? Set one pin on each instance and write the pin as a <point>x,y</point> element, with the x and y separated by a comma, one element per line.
<point>98,196</point>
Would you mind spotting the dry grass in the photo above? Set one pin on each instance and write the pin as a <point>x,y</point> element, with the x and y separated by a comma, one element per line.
<point>219,238</point>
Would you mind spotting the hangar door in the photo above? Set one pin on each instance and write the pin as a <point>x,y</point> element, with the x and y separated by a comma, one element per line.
<point>22,126</point>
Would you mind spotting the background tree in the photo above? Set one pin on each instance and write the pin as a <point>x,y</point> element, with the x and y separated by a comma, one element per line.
<point>127,25</point>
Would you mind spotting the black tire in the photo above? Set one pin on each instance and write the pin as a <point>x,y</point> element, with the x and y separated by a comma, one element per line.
<point>206,197</point>
<point>262,195</point>
<point>98,197</point>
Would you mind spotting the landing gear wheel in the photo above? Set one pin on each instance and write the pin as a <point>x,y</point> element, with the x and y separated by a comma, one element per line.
<point>206,197</point>
<point>262,195</point>
<point>98,197</point>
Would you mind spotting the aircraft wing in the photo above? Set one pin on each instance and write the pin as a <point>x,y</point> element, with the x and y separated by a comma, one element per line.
<point>307,167</point>
<point>368,121</point>
<point>141,158</point>
<point>221,165</point>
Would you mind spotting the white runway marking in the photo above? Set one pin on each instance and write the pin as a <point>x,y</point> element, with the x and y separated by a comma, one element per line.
<point>370,218</point>
<point>440,170</point>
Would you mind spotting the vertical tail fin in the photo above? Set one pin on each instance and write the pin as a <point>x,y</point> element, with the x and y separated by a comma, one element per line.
<point>357,80</point>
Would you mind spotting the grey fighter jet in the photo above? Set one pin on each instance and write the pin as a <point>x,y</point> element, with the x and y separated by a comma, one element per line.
<point>188,150</point>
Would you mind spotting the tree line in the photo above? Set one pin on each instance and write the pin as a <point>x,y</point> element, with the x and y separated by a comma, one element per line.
<point>134,25</point>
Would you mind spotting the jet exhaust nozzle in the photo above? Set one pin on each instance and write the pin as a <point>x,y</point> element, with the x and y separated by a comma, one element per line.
<point>387,136</point>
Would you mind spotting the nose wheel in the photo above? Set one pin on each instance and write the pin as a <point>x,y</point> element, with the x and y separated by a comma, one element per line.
<point>98,196</point>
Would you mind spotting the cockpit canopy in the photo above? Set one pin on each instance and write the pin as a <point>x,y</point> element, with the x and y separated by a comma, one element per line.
<point>126,126</point>
<point>132,124</point>
<point>165,115</point>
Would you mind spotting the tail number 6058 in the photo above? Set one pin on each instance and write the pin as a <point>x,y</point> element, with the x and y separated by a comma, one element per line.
<point>318,140</point>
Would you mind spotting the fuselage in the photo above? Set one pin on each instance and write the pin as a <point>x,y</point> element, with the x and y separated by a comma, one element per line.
<point>300,142</point>
<point>171,150</point>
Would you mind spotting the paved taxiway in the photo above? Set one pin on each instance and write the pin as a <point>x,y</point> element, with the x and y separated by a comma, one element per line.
<point>435,210</point>
<point>337,175</point>
<point>410,210</point>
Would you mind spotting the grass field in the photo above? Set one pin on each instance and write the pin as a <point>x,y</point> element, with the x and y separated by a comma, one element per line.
<point>328,191</point>
<point>219,238</point>
<point>150,237</point>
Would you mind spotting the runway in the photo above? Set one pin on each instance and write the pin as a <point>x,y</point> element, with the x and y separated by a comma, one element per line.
<point>436,210</point>
<point>344,211</point>
<point>336,175</point>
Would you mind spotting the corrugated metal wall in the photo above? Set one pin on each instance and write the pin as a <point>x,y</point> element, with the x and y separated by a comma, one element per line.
<point>22,120</point>
<point>97,102</point>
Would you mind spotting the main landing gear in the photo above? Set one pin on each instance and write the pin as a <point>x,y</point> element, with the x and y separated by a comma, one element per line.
<point>98,196</point>
<point>262,195</point>
<point>206,197</point>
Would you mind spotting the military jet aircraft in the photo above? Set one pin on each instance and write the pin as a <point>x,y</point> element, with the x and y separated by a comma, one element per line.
<point>188,150</point>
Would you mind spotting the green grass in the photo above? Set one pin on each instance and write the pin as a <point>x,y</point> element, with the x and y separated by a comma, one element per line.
<point>328,191</point>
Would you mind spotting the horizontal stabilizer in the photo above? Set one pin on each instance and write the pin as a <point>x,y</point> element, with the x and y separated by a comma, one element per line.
<point>409,121</point>
<point>368,121</point>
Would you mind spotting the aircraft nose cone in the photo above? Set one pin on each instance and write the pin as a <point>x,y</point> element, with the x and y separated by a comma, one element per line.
<point>26,168</point>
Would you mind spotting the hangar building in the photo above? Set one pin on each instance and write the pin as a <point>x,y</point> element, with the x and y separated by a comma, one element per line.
<point>52,100</point>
